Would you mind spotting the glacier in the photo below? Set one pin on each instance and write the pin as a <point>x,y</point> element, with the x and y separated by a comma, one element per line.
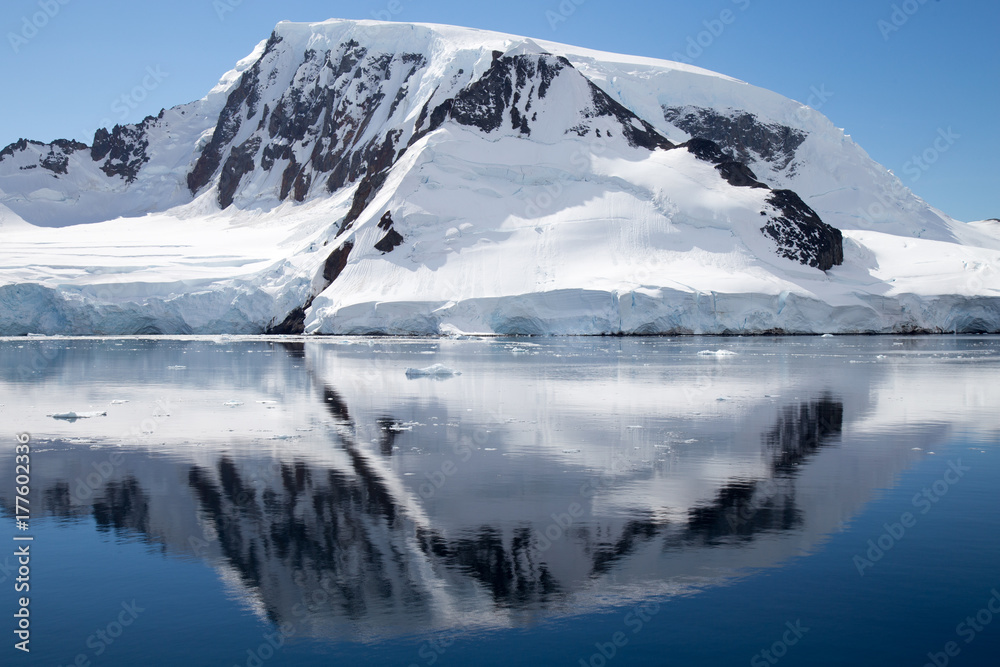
<point>361,177</point>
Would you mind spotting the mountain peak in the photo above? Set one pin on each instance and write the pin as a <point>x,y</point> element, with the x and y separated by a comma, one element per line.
<point>415,178</point>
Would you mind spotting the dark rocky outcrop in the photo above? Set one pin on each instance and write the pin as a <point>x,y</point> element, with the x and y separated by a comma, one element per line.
<point>734,172</point>
<point>57,158</point>
<point>336,262</point>
<point>295,322</point>
<point>239,163</point>
<point>801,235</point>
<point>57,161</point>
<point>123,148</point>
<point>739,175</point>
<point>512,85</point>
<point>797,229</point>
<point>389,242</point>
<point>706,150</point>
<point>392,238</point>
<point>739,132</point>
<point>230,121</point>
<point>17,147</point>
<point>316,133</point>
<point>646,137</point>
<point>505,85</point>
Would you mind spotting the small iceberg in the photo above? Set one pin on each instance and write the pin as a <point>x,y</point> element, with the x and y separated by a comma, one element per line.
<point>73,416</point>
<point>233,404</point>
<point>435,371</point>
<point>716,353</point>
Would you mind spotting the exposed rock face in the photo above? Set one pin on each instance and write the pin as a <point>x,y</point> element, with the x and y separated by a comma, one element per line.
<point>230,121</point>
<point>392,238</point>
<point>801,235</point>
<point>389,241</point>
<point>638,132</point>
<point>18,146</point>
<point>239,163</point>
<point>125,148</point>
<point>739,132</point>
<point>707,150</point>
<point>336,262</point>
<point>55,160</point>
<point>739,175</point>
<point>506,90</point>
<point>294,323</point>
<point>799,232</point>
<point>317,130</point>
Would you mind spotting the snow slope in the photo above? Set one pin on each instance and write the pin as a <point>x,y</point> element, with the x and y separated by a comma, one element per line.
<point>367,177</point>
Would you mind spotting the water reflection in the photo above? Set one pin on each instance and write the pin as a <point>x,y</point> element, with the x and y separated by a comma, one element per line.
<point>345,499</point>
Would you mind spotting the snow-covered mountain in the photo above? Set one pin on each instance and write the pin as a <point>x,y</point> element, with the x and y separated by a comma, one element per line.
<point>358,177</point>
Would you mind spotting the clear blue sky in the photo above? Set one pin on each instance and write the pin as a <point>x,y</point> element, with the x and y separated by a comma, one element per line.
<point>892,89</point>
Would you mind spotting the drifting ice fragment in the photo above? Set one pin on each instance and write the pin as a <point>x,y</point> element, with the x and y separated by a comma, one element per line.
<point>716,353</point>
<point>436,371</point>
<point>73,416</point>
<point>233,404</point>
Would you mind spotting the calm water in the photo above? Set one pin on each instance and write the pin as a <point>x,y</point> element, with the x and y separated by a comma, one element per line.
<point>802,501</point>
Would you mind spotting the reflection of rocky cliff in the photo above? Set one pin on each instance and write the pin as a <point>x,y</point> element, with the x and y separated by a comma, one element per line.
<point>745,508</point>
<point>341,541</point>
<point>330,528</point>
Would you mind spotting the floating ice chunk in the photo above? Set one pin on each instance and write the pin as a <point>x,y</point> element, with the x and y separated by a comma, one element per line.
<point>119,401</point>
<point>73,416</point>
<point>233,404</point>
<point>435,371</point>
<point>176,368</point>
<point>268,402</point>
<point>716,353</point>
<point>571,451</point>
<point>827,336</point>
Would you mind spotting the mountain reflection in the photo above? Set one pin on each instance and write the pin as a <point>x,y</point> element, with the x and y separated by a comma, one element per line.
<point>745,508</point>
<point>335,531</point>
<point>346,533</point>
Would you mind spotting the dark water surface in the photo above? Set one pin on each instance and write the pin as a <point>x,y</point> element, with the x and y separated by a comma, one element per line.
<point>794,501</point>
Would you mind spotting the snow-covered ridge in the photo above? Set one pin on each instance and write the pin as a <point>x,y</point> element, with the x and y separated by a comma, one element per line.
<point>359,176</point>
